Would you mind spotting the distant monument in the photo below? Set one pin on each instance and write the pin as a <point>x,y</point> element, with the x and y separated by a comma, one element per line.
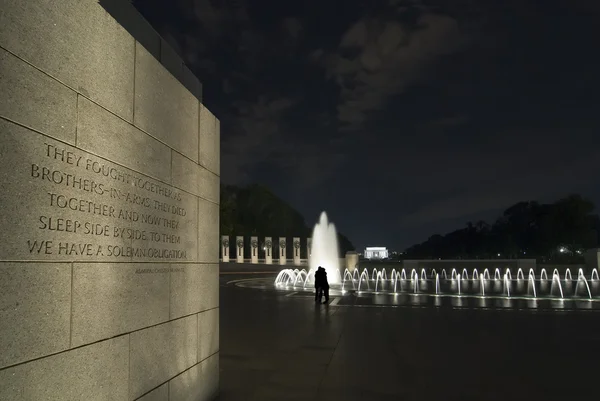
<point>109,169</point>
<point>376,252</point>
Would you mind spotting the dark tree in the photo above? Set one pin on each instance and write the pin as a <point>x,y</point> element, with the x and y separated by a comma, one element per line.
<point>256,211</point>
<point>559,231</point>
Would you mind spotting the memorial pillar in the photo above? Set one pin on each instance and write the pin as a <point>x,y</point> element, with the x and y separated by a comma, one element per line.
<point>308,249</point>
<point>282,253</point>
<point>268,250</point>
<point>351,261</point>
<point>254,249</point>
<point>296,251</point>
<point>240,248</point>
<point>225,247</point>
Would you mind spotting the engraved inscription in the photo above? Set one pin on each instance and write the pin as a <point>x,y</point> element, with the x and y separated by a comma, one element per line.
<point>92,208</point>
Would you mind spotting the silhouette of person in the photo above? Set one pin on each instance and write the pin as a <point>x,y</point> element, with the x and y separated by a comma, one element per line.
<point>321,285</point>
<point>318,284</point>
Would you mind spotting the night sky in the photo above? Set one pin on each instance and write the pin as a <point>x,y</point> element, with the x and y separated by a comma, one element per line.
<point>401,119</point>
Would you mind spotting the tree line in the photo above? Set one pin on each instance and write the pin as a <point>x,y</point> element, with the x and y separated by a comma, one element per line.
<point>555,232</point>
<point>256,211</point>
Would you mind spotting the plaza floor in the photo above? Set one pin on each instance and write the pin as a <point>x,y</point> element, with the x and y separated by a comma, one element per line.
<point>282,346</point>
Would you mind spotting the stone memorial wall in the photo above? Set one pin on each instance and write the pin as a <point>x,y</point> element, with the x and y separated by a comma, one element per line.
<point>109,247</point>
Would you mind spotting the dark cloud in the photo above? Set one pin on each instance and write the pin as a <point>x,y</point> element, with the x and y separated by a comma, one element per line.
<point>402,118</point>
<point>379,58</point>
<point>293,27</point>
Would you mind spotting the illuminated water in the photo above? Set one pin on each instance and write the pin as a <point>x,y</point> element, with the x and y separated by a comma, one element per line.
<point>476,284</point>
<point>325,251</point>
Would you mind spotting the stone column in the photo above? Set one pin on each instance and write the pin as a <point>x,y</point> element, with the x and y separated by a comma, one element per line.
<point>296,251</point>
<point>254,249</point>
<point>308,250</point>
<point>351,261</point>
<point>225,247</point>
<point>268,250</point>
<point>239,242</point>
<point>282,253</point>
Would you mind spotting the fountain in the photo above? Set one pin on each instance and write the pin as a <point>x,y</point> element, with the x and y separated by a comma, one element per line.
<point>511,284</point>
<point>452,283</point>
<point>531,282</point>
<point>507,284</point>
<point>324,251</point>
<point>482,285</point>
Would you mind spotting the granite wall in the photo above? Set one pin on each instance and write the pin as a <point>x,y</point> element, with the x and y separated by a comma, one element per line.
<point>109,194</point>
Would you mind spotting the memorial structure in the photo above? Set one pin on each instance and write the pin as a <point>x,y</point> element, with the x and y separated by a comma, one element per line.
<point>269,250</point>
<point>282,251</point>
<point>254,249</point>
<point>239,246</point>
<point>296,243</point>
<point>109,169</point>
<point>225,248</point>
<point>376,252</point>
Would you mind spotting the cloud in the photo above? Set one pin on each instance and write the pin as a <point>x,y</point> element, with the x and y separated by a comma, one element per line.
<point>293,27</point>
<point>445,122</point>
<point>217,21</point>
<point>254,127</point>
<point>377,59</point>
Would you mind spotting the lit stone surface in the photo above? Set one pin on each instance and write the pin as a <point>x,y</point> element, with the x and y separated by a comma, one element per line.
<point>208,337</point>
<point>170,59</point>
<point>101,132</point>
<point>225,248</point>
<point>78,43</point>
<point>35,299</point>
<point>120,217</point>
<point>194,178</point>
<point>269,247</point>
<point>201,382</point>
<point>195,289</point>
<point>111,299</point>
<point>164,107</point>
<point>296,245</point>
<point>351,261</point>
<point>96,372</point>
<point>282,243</point>
<point>239,248</point>
<point>176,234</point>
<point>208,231</point>
<point>34,171</point>
<point>36,100</point>
<point>159,394</point>
<point>192,83</point>
<point>110,226</point>
<point>159,353</point>
<point>254,245</point>
<point>209,141</point>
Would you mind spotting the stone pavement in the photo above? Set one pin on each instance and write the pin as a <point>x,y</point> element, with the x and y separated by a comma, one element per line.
<point>278,347</point>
